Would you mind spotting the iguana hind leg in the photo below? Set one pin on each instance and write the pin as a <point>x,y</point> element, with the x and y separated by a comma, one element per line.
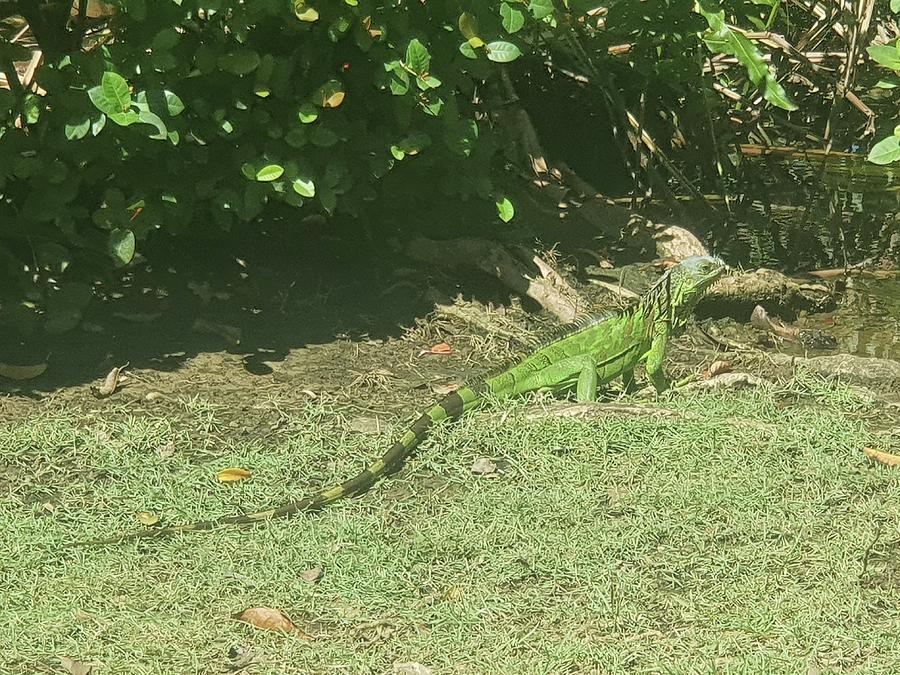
<point>628,383</point>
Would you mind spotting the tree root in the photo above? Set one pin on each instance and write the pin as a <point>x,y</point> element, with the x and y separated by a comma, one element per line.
<point>534,278</point>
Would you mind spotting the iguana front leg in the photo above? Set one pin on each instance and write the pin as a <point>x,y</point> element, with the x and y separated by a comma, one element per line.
<point>655,357</point>
<point>586,389</point>
<point>582,369</point>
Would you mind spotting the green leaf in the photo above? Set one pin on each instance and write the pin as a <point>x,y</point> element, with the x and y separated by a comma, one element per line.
<point>461,137</point>
<point>174,105</point>
<point>505,210</point>
<point>720,38</point>
<point>338,28</point>
<point>895,6</point>
<point>165,40</point>
<point>137,9</point>
<point>304,187</point>
<point>304,12</point>
<point>126,118</point>
<point>32,108</point>
<point>269,173</point>
<point>885,151</point>
<point>417,57</point>
<point>98,124</point>
<point>323,137</point>
<point>242,61</point>
<point>466,50</point>
<point>468,25</point>
<point>112,96</point>
<point>151,118</point>
<point>296,137</point>
<point>891,82</point>
<point>164,61</point>
<point>884,55</point>
<point>121,245</point>
<point>397,153</point>
<point>540,8</point>
<point>432,107</point>
<point>308,113</point>
<point>78,130</point>
<point>414,143</point>
<point>502,52</point>
<point>398,78</point>
<point>428,82</point>
<point>512,19</point>
<point>328,199</point>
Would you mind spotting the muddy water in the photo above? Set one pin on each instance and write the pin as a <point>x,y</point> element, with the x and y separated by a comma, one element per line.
<point>866,323</point>
<point>869,322</point>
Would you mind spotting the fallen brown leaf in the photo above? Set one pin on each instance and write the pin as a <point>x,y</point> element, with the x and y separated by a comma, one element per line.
<point>333,100</point>
<point>233,475</point>
<point>77,667</point>
<point>717,368</point>
<point>883,457</point>
<point>267,618</point>
<point>166,451</point>
<point>82,617</point>
<point>441,349</point>
<point>412,669</point>
<point>111,383</point>
<point>484,467</point>
<point>312,575</point>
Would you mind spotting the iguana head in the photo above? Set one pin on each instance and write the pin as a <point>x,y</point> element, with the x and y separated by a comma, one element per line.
<point>690,278</point>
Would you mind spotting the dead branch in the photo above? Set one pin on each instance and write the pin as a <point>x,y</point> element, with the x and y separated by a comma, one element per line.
<point>774,289</point>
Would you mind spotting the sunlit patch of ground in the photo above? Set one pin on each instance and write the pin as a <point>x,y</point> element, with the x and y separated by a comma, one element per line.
<point>625,543</point>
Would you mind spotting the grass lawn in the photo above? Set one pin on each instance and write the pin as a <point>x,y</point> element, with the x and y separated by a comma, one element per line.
<point>747,533</point>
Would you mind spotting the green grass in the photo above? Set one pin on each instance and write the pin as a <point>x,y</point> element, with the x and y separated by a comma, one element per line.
<point>749,534</point>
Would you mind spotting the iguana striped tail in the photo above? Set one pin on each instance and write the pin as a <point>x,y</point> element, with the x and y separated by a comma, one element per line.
<point>451,407</point>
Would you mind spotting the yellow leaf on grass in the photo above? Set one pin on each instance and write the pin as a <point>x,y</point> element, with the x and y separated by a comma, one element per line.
<point>269,619</point>
<point>885,458</point>
<point>147,518</point>
<point>232,475</point>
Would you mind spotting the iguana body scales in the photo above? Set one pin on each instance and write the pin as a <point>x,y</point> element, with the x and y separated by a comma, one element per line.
<point>587,354</point>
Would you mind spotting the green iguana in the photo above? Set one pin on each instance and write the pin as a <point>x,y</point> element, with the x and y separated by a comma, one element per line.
<point>586,354</point>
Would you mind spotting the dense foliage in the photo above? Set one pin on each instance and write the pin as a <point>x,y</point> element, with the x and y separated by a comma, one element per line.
<point>887,150</point>
<point>187,118</point>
